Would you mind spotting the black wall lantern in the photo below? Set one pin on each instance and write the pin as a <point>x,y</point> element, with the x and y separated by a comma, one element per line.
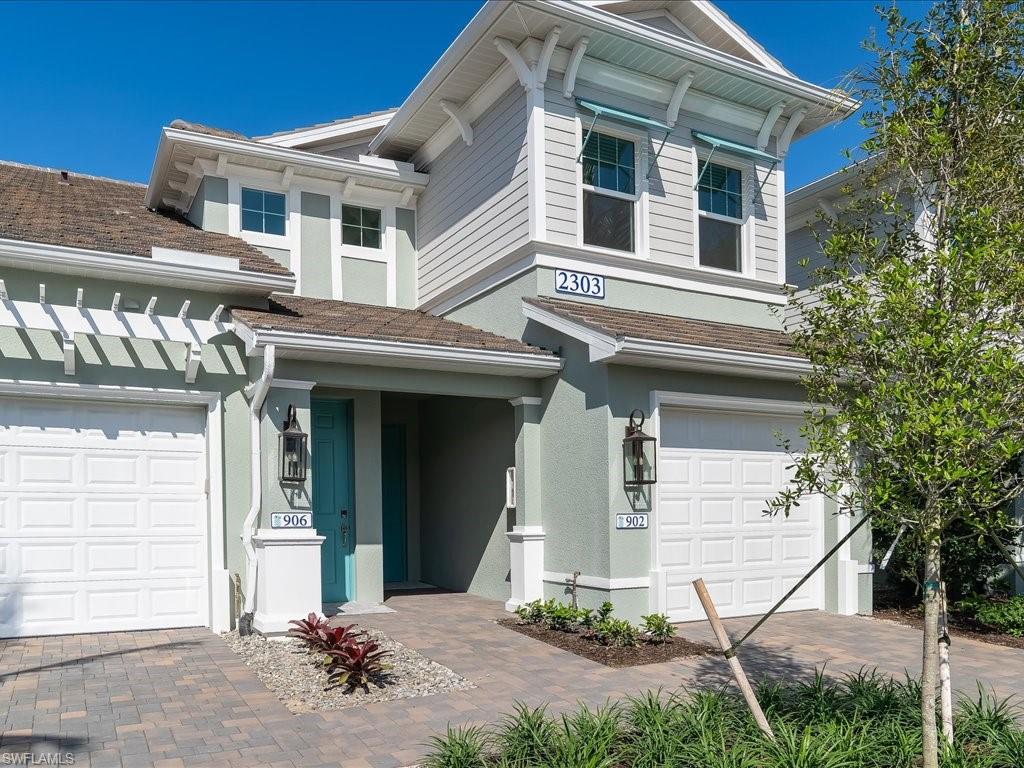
<point>293,449</point>
<point>639,453</point>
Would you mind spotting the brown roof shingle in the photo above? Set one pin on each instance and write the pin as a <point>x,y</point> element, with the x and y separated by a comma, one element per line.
<point>622,323</point>
<point>301,314</point>
<point>37,205</point>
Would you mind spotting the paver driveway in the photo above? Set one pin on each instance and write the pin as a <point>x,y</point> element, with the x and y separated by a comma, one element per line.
<point>178,698</point>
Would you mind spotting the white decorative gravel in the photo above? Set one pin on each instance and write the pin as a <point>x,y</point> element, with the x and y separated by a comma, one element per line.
<point>287,669</point>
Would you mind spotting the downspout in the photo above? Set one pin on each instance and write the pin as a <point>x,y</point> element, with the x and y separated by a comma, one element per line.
<point>257,392</point>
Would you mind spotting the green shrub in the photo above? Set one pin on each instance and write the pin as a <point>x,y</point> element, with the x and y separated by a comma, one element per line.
<point>605,611</point>
<point>1005,615</point>
<point>656,628</point>
<point>535,612</point>
<point>864,720</point>
<point>616,632</point>
<point>562,618</point>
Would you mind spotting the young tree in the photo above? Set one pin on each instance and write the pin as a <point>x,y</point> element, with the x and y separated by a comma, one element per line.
<point>914,326</point>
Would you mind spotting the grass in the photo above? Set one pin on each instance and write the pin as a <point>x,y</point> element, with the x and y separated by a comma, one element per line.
<point>863,720</point>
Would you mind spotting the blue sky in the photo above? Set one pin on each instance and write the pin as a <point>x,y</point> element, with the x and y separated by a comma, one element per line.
<point>87,86</point>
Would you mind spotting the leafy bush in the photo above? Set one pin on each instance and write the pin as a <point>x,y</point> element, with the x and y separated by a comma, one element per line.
<point>970,563</point>
<point>1005,615</point>
<point>656,629</point>
<point>864,720</point>
<point>605,611</point>
<point>617,632</point>
<point>535,612</point>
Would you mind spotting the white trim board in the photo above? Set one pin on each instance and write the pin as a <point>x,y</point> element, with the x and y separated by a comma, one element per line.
<point>598,582</point>
<point>44,257</point>
<point>219,586</point>
<point>311,346</point>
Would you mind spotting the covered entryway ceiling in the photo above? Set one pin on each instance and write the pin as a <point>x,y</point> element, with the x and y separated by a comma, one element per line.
<point>103,517</point>
<point>716,470</point>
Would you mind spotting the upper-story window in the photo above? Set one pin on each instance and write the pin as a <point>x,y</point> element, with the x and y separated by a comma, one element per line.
<point>361,226</point>
<point>263,211</point>
<point>609,192</point>
<point>720,203</point>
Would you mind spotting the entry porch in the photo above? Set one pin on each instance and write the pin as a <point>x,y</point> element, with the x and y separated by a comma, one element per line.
<point>413,466</point>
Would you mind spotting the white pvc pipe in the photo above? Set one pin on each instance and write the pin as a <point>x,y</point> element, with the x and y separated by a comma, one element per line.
<point>259,390</point>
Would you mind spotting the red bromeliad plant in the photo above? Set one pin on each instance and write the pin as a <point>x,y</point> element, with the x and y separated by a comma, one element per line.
<point>309,629</point>
<point>357,663</point>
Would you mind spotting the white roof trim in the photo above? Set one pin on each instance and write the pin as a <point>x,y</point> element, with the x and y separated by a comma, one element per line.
<point>331,132</point>
<point>606,348</point>
<point>740,36</point>
<point>299,159</point>
<point>313,346</point>
<point>43,257</point>
<point>593,17</point>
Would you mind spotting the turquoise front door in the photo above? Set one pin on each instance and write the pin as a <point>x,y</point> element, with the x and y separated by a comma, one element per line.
<point>392,471</point>
<point>333,511</point>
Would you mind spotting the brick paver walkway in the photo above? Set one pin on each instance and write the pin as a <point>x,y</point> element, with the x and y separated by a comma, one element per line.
<point>182,698</point>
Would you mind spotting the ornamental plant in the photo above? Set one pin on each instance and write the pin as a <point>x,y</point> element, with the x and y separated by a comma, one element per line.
<point>656,628</point>
<point>913,328</point>
<point>356,663</point>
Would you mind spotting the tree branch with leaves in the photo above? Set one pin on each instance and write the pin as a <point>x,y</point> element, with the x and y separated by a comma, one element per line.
<point>913,326</point>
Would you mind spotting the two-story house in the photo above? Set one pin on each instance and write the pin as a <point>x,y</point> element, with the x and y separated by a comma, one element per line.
<point>452,309</point>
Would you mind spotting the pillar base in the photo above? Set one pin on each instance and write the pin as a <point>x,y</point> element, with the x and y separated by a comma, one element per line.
<point>526,554</point>
<point>288,577</point>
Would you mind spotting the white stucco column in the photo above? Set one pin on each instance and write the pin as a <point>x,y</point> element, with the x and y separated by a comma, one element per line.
<point>848,573</point>
<point>288,580</point>
<point>526,539</point>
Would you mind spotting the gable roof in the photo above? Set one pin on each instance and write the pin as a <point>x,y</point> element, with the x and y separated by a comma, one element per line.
<point>367,125</point>
<point>622,324</point>
<point>705,22</point>
<point>39,205</point>
<point>752,88</point>
<point>345,319</point>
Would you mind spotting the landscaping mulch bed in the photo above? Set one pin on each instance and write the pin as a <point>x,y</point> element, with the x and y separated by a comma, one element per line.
<point>300,681</point>
<point>959,626</point>
<point>644,653</point>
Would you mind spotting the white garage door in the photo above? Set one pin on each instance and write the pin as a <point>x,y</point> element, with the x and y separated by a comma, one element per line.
<point>103,517</point>
<point>716,470</point>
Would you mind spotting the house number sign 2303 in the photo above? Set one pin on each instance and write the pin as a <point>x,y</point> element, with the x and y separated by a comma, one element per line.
<point>579,283</point>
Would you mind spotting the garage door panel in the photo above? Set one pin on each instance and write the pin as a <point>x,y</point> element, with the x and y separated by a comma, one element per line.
<point>717,471</point>
<point>104,517</point>
<point>103,606</point>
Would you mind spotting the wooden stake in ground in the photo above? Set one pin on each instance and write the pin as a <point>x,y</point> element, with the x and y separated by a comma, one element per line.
<point>734,663</point>
<point>945,679</point>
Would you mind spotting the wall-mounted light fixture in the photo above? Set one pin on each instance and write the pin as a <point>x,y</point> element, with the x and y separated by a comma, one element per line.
<point>639,453</point>
<point>293,449</point>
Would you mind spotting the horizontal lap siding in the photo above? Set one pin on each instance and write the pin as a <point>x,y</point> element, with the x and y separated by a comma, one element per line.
<point>560,163</point>
<point>802,244</point>
<point>475,207</point>
<point>670,187</point>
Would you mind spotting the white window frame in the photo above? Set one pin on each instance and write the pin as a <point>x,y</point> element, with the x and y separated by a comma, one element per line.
<point>746,222</point>
<point>386,254</point>
<point>639,198</point>
<point>263,184</point>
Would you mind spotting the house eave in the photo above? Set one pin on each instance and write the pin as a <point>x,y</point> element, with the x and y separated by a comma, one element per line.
<point>45,257</point>
<point>361,351</point>
<point>604,347</point>
<point>285,157</point>
<point>833,105</point>
<point>657,354</point>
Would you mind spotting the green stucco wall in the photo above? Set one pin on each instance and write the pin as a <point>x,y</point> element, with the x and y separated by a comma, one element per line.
<point>209,209</point>
<point>364,281</point>
<point>315,246</point>
<point>405,256</point>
